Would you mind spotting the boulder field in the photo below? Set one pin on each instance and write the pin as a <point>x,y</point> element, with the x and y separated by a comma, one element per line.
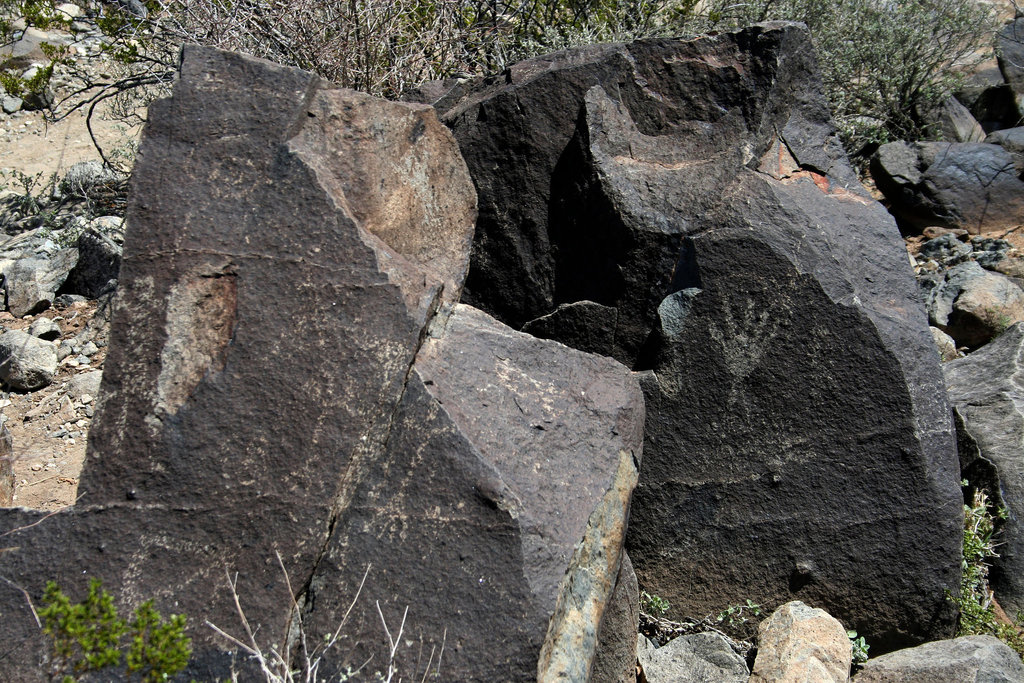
<point>420,374</point>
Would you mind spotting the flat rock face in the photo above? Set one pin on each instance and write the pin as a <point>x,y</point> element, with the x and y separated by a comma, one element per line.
<point>291,391</point>
<point>493,473</point>
<point>987,391</point>
<point>971,659</point>
<point>685,207</point>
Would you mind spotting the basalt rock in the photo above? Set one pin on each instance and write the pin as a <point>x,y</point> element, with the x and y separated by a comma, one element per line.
<point>485,475</point>
<point>974,186</point>
<point>988,393</point>
<point>686,208</point>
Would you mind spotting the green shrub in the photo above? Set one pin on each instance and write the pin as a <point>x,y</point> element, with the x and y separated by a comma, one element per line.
<point>884,63</point>
<point>977,613</point>
<point>90,636</point>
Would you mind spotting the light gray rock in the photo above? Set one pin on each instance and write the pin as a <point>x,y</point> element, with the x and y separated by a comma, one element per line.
<point>945,344</point>
<point>32,283</point>
<point>11,104</point>
<point>44,328</point>
<point>987,391</point>
<point>972,305</point>
<point>85,176</point>
<point>798,643</point>
<point>697,658</point>
<point>85,384</point>
<point>970,659</point>
<point>26,362</point>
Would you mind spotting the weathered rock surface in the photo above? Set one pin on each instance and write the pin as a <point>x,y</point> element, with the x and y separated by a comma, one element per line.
<point>800,643</point>
<point>44,328</point>
<point>987,391</point>
<point>989,98</point>
<point>970,659</point>
<point>685,207</point>
<point>475,476</point>
<point>945,344</point>
<point>1010,43</point>
<point>32,283</point>
<point>952,122</point>
<point>974,186</point>
<point>99,261</point>
<point>972,304</point>
<point>6,467</point>
<point>27,363</point>
<point>615,661</point>
<point>698,658</point>
<point>1012,140</point>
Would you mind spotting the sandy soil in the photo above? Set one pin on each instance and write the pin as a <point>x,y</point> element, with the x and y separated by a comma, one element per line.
<point>49,426</point>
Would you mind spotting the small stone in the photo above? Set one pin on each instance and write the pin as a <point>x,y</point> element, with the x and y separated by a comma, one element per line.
<point>36,467</point>
<point>85,399</point>
<point>44,328</point>
<point>82,360</point>
<point>11,104</point>
<point>89,349</point>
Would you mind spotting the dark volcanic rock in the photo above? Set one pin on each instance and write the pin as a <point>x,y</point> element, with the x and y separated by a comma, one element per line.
<point>99,261</point>
<point>987,390</point>
<point>691,200</point>
<point>961,185</point>
<point>479,479</point>
<point>495,469</point>
<point>222,436</point>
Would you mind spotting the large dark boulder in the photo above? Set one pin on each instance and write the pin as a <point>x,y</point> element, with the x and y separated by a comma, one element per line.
<point>987,391</point>
<point>973,186</point>
<point>686,207</point>
<point>292,400</point>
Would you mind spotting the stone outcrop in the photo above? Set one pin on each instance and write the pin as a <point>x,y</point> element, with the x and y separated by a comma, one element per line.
<point>686,208</point>
<point>987,392</point>
<point>974,186</point>
<point>362,426</point>
<point>800,643</point>
<point>971,659</point>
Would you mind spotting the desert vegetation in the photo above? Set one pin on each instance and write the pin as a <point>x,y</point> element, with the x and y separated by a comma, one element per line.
<point>883,63</point>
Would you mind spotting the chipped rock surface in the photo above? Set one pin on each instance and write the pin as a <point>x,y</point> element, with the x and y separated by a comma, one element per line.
<point>686,208</point>
<point>475,476</point>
